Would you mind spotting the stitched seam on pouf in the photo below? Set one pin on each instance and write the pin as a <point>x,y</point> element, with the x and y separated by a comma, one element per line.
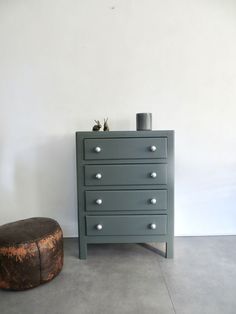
<point>40,267</point>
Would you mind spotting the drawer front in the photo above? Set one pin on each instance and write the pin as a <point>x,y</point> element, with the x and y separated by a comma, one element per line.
<point>126,200</point>
<point>126,225</point>
<point>125,148</point>
<point>126,174</point>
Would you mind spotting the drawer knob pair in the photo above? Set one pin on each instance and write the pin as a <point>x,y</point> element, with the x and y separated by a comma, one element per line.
<point>152,201</point>
<point>153,148</point>
<point>99,227</point>
<point>99,175</point>
<point>153,226</point>
<point>97,149</point>
<point>99,201</point>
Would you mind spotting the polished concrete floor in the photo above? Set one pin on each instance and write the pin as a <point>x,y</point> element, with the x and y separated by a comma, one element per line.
<point>129,278</point>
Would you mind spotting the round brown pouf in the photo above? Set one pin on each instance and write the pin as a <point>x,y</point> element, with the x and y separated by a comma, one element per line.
<point>31,253</point>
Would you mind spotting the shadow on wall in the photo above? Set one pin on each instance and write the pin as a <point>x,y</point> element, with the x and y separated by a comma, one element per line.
<point>45,181</point>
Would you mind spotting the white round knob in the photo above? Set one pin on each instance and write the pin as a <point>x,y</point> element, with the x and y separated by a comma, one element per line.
<point>99,227</point>
<point>153,148</point>
<point>99,201</point>
<point>153,226</point>
<point>97,149</point>
<point>153,174</point>
<point>98,176</point>
<point>153,201</point>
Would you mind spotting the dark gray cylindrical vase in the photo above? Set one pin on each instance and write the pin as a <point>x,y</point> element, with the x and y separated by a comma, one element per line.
<point>143,121</point>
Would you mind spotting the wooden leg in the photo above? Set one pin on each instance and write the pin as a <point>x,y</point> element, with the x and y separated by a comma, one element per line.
<point>169,250</point>
<point>82,249</point>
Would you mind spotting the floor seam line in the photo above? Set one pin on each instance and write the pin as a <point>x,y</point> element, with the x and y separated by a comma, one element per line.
<point>165,283</point>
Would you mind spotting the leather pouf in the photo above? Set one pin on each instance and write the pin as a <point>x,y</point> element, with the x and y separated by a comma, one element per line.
<point>31,253</point>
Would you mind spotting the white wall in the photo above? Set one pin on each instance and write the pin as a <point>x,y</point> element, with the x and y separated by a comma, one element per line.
<point>64,63</point>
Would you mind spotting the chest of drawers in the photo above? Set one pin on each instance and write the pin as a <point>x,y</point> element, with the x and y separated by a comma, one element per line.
<point>125,185</point>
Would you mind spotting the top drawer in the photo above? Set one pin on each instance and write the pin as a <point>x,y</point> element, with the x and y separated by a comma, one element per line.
<point>125,148</point>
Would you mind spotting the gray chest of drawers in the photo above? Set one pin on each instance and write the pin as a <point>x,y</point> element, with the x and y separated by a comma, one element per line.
<point>125,184</point>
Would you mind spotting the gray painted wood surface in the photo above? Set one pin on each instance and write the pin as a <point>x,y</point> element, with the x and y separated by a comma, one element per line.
<point>126,174</point>
<point>126,200</point>
<point>126,225</point>
<point>126,187</point>
<point>125,148</point>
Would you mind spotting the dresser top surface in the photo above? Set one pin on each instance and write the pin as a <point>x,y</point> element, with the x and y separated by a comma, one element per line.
<point>126,133</point>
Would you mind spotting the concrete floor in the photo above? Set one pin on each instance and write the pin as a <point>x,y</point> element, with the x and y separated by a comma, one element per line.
<point>129,278</point>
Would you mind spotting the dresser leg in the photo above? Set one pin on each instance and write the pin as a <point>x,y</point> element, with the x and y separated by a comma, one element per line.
<point>82,250</point>
<point>169,249</point>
